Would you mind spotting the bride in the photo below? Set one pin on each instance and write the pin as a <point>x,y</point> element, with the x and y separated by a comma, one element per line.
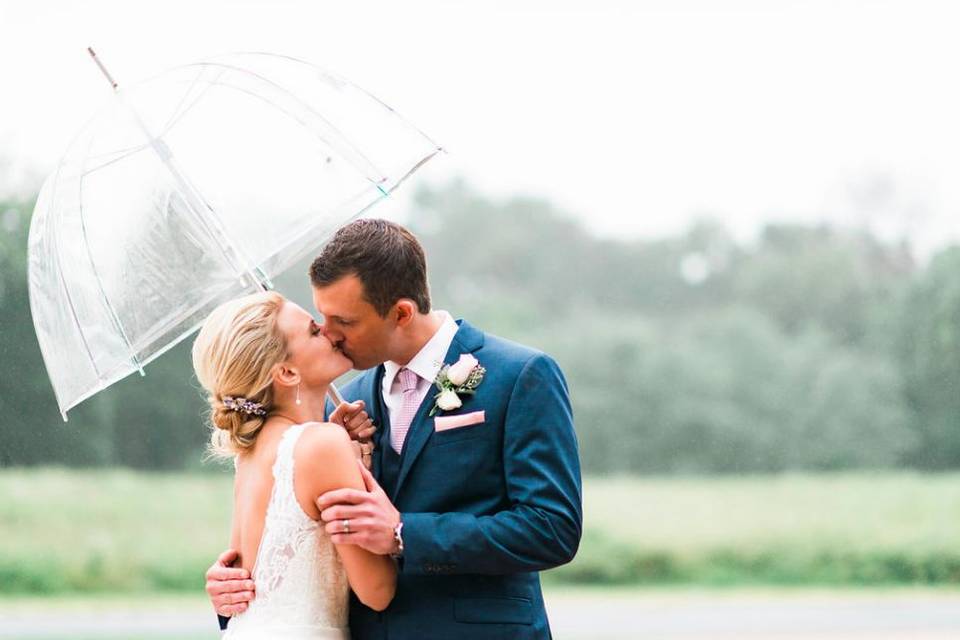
<point>266,366</point>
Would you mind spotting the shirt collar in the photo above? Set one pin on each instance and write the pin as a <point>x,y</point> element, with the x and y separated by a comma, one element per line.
<point>429,360</point>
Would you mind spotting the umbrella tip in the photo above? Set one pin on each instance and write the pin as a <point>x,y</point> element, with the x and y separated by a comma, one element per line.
<point>103,69</point>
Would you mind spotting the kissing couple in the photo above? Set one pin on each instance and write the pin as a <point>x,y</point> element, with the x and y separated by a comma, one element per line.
<point>424,506</point>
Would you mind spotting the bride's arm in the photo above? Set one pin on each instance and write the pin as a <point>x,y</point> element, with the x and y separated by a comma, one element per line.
<point>324,460</point>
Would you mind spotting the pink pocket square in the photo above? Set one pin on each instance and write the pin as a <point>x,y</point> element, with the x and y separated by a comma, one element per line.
<point>442,423</point>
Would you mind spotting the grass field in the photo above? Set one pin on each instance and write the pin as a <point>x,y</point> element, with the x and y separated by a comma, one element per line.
<point>64,531</point>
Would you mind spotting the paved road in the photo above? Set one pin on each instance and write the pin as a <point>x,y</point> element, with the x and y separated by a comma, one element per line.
<point>756,616</point>
<point>680,615</point>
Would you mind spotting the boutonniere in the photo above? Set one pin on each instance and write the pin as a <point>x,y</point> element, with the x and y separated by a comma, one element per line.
<point>460,378</point>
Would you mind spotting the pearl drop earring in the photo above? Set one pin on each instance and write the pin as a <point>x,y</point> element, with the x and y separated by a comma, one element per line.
<point>298,393</point>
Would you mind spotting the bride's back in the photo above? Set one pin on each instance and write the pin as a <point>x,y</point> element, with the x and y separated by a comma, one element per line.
<point>302,588</point>
<point>252,485</point>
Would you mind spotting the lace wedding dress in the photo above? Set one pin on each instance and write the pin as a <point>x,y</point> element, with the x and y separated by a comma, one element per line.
<point>302,589</point>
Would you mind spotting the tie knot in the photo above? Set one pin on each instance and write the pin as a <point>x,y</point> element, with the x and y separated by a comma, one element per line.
<point>408,380</point>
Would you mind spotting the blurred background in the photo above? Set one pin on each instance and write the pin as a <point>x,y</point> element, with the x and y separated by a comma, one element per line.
<point>735,226</point>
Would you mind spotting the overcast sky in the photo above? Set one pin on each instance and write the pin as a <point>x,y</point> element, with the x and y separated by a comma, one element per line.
<point>638,116</point>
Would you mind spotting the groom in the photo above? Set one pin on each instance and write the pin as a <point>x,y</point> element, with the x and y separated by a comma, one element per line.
<point>472,497</point>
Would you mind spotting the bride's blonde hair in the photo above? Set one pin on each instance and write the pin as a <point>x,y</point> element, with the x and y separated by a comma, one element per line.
<point>233,357</point>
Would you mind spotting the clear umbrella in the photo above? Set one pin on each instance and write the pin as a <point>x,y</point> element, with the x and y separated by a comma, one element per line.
<point>191,188</point>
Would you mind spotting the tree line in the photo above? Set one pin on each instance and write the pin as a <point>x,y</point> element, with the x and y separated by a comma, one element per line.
<point>808,348</point>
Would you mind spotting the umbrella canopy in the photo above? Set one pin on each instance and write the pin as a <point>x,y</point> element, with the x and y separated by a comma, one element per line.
<point>192,188</point>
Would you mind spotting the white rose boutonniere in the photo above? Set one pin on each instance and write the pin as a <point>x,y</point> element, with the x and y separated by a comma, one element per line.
<point>448,399</point>
<point>460,378</point>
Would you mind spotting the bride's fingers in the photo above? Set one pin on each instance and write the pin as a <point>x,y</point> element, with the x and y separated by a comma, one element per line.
<point>356,420</point>
<point>361,430</point>
<point>343,412</point>
<point>359,425</point>
<point>368,480</point>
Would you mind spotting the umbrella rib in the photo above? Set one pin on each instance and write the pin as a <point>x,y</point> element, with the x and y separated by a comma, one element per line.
<point>415,167</point>
<point>176,109</point>
<point>341,79</point>
<point>190,194</point>
<point>124,151</point>
<point>103,294</point>
<point>346,141</point>
<point>315,132</point>
<point>63,282</point>
<point>177,113</point>
<point>127,154</point>
<point>118,326</point>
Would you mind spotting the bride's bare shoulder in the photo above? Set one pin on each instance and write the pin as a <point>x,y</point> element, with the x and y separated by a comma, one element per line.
<point>326,449</point>
<point>324,460</point>
<point>323,437</point>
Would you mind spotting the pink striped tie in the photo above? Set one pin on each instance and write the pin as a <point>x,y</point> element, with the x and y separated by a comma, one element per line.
<point>408,408</point>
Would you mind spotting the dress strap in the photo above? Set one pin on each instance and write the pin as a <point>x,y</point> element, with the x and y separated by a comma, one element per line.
<point>283,464</point>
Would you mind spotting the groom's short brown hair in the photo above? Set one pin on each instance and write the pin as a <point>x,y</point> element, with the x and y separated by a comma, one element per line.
<point>388,260</point>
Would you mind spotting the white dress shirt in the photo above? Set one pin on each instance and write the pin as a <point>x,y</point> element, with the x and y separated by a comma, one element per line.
<point>426,364</point>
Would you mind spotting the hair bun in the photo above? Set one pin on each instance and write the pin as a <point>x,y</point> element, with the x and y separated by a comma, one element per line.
<point>224,418</point>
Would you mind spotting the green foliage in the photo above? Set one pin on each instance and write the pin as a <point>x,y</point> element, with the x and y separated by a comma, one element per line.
<point>929,350</point>
<point>68,531</point>
<point>809,348</point>
<point>838,529</point>
<point>777,356</point>
<point>819,277</point>
<point>109,531</point>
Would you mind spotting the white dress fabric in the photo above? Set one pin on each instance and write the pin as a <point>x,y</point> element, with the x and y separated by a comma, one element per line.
<point>302,588</point>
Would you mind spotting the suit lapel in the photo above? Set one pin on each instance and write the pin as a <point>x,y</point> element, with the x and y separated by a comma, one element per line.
<point>466,340</point>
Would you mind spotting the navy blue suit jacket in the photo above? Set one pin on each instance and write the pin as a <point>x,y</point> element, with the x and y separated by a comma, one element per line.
<point>486,506</point>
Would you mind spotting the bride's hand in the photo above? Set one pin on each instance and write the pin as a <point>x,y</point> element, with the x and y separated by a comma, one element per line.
<point>363,451</point>
<point>353,417</point>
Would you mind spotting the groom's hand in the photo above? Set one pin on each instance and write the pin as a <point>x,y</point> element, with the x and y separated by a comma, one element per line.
<point>230,589</point>
<point>352,417</point>
<point>371,516</point>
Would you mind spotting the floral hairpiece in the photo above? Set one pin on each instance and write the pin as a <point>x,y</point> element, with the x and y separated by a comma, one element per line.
<point>244,406</point>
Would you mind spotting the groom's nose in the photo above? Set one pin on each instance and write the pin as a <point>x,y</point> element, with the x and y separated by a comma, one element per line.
<point>332,336</point>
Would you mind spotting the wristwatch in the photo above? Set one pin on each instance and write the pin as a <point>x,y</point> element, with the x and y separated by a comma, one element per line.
<point>398,536</point>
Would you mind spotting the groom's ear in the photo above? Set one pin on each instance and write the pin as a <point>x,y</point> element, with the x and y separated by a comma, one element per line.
<point>404,311</point>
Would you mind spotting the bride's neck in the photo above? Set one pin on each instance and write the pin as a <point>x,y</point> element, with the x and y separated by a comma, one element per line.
<point>311,408</point>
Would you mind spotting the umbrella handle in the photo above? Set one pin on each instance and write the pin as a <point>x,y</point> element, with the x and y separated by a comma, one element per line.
<point>338,399</point>
<point>334,394</point>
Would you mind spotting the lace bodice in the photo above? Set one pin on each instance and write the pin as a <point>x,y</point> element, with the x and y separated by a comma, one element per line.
<point>302,589</point>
